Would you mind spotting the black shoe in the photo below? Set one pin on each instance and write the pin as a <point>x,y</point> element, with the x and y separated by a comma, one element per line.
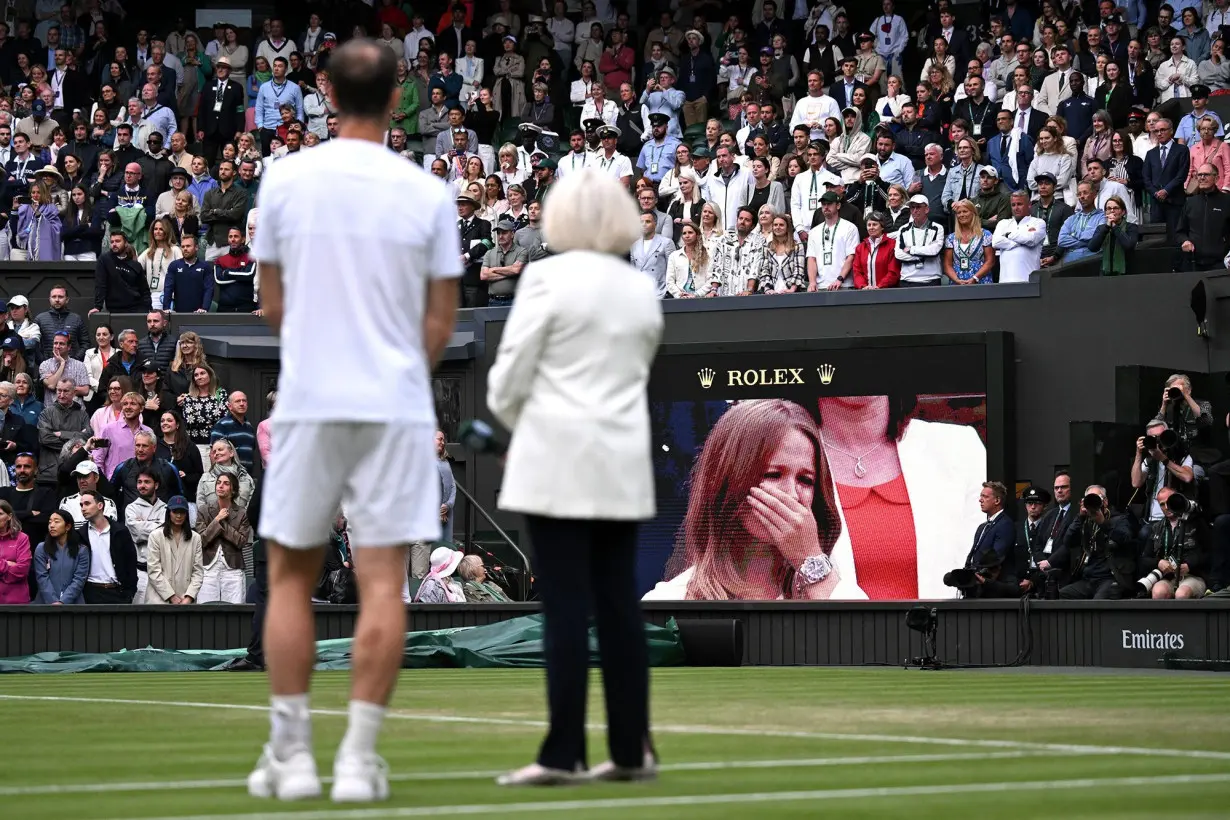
<point>244,664</point>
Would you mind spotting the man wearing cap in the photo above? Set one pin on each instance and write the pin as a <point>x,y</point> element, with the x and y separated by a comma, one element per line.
<point>221,108</point>
<point>1030,546</point>
<point>502,264</point>
<point>475,241</point>
<point>843,88</point>
<point>919,246</point>
<point>991,203</point>
<point>31,502</point>
<point>142,516</point>
<point>537,187</point>
<point>816,107</point>
<point>38,126</point>
<point>90,480</point>
<point>610,161</point>
<point>661,97</point>
<point>657,155</point>
<point>1057,86</point>
<point>19,321</point>
<point>1188,131</point>
<point>697,78</point>
<point>1053,212</point>
<point>830,248</point>
<point>1019,238</point>
<point>62,365</point>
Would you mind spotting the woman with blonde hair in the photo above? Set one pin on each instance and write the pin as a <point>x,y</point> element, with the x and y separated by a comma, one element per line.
<point>764,222</point>
<point>687,203</point>
<point>188,354</point>
<point>785,260</point>
<point>590,356</point>
<point>968,255</point>
<point>158,256</point>
<point>711,229</point>
<point>690,271</point>
<point>509,172</point>
<point>223,460</point>
<point>1050,158</point>
<point>762,516</point>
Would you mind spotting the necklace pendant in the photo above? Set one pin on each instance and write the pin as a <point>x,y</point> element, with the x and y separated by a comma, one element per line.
<point>859,469</point>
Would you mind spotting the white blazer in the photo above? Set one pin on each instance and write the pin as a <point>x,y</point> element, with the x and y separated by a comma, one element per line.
<point>569,381</point>
<point>944,466</point>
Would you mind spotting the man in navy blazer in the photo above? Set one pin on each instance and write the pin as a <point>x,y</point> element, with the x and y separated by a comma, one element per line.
<point>1010,152</point>
<point>843,88</point>
<point>988,573</point>
<point>1165,172</point>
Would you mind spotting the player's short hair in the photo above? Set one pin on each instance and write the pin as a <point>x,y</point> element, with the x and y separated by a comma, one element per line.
<point>364,75</point>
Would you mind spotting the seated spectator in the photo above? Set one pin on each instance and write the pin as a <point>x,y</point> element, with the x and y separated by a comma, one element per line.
<point>1177,551</point>
<point>176,571</point>
<point>690,270</point>
<point>31,502</point>
<point>89,480</point>
<point>15,558</point>
<point>152,388</point>
<point>13,362</point>
<point>145,514</point>
<point>62,366</point>
<point>20,322</point>
<point>116,442</point>
<point>235,427</point>
<point>475,585</point>
<point>223,460</point>
<point>59,422</point>
<point>61,562</point>
<point>225,532</point>
<point>439,587</point>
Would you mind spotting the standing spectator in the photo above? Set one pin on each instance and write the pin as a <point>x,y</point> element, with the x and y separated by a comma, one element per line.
<point>221,110</point>
<point>15,435</point>
<point>145,514</point>
<point>188,354</point>
<point>1115,238</point>
<point>175,448</point>
<point>176,571</point>
<point>120,284</point>
<point>919,246</point>
<point>270,96</point>
<point>27,404</point>
<point>968,255</point>
<point>38,226</point>
<point>113,401</point>
<point>1079,228</point>
<point>1203,230</point>
<point>223,208</point>
<point>203,406</point>
<point>502,265</point>
<point>145,459</point>
<point>225,531</point>
<point>1019,240</point>
<point>120,435</point>
<point>651,253</point>
<point>126,362</point>
<point>158,256</point>
<point>96,359</point>
<point>19,320</point>
<point>113,564</point>
<point>190,281</point>
<point>62,366</point>
<point>235,276</point>
<point>875,264</point>
<point>223,460</point>
<point>235,428</point>
<point>82,226</point>
<point>157,344</point>
<point>15,559</point>
<point>698,74</point>
<point>61,562</point>
<point>30,503</point>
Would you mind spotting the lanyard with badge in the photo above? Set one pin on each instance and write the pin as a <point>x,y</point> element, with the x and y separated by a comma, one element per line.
<point>828,238</point>
<point>219,93</point>
<point>813,201</point>
<point>655,158</point>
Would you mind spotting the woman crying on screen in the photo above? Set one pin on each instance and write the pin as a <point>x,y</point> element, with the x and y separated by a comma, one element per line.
<point>761,519</point>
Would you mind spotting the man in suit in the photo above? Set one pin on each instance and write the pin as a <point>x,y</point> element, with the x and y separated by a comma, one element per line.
<point>221,111</point>
<point>1056,521</point>
<point>1057,86</point>
<point>958,41</point>
<point>1025,117</point>
<point>475,242</point>
<point>1029,549</point>
<point>1010,152</point>
<point>988,571</point>
<point>651,251</point>
<point>843,88</point>
<point>453,39</point>
<point>1165,172</point>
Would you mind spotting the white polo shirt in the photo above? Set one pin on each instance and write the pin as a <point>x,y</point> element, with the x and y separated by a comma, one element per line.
<point>830,247</point>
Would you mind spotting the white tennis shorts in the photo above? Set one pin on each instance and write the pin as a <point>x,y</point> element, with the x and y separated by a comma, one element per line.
<point>383,475</point>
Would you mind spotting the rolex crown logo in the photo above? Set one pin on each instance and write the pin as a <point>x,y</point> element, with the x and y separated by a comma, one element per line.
<point>706,374</point>
<point>826,372</point>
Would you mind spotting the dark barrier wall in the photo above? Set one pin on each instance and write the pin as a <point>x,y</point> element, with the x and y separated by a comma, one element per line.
<point>1133,634</point>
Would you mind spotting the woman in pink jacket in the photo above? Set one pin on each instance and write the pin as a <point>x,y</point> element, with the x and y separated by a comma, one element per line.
<point>1208,148</point>
<point>15,558</point>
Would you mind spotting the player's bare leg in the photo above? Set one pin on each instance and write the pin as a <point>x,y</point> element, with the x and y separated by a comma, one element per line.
<point>287,769</point>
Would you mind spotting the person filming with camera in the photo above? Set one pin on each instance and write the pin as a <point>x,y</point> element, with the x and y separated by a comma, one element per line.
<point>1161,461</point>
<point>1098,551</point>
<point>1178,550</point>
<point>1185,415</point>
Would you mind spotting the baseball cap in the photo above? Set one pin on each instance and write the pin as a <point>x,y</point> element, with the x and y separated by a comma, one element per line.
<point>1047,176</point>
<point>19,301</point>
<point>86,467</point>
<point>830,196</point>
<point>989,171</point>
<point>177,503</point>
<point>919,199</point>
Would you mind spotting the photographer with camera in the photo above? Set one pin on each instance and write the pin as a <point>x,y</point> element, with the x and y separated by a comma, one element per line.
<point>1182,413</point>
<point>1098,552</point>
<point>1161,461</point>
<point>1177,550</point>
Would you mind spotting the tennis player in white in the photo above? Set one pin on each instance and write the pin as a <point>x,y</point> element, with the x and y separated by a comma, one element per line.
<point>349,229</point>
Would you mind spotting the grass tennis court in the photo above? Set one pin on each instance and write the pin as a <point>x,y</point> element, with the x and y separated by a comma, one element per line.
<point>742,743</point>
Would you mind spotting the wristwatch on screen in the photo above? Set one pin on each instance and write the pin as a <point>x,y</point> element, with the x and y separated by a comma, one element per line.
<point>815,569</point>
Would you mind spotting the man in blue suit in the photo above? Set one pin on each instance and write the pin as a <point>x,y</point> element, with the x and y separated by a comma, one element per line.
<point>1165,173</point>
<point>988,573</point>
<point>842,89</point>
<point>1010,153</point>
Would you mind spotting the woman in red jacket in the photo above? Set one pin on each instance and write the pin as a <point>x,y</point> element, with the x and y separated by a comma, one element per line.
<point>875,263</point>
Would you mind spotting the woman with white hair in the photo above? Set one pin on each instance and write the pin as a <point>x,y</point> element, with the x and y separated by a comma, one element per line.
<point>570,382</point>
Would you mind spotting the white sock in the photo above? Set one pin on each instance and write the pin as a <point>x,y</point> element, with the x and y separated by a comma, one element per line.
<point>290,724</point>
<point>362,728</point>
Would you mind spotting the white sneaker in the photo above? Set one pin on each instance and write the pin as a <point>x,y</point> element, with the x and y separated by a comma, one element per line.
<point>537,775</point>
<point>291,779</point>
<point>360,779</point>
<point>609,772</point>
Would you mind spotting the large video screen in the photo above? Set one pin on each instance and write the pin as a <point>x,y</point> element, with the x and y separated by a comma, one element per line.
<point>866,459</point>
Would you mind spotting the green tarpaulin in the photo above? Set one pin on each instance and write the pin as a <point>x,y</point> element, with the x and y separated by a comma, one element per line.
<point>512,643</point>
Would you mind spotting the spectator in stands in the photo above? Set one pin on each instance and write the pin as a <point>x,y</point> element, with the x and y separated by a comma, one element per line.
<point>203,405</point>
<point>439,587</point>
<point>15,435</point>
<point>919,246</point>
<point>19,321</point>
<point>1115,238</point>
<point>143,515</point>
<point>38,226</point>
<point>502,264</point>
<point>13,362</point>
<point>144,458</point>
<point>152,387</point>
<point>120,435</point>
<point>1053,212</point>
<point>991,201</point>
<point>83,224</point>
<point>113,564</point>
<point>1019,240</point>
<point>969,257</point>
<point>27,402</point>
<point>88,479</point>
<point>175,448</point>
<point>875,264</point>
<point>31,503</point>
<point>1050,159</point>
<point>60,366</point>
<point>61,562</point>
<point>235,427</point>
<point>1078,230</point>
<point>15,559</point>
<point>225,531</point>
<point>120,283</point>
<point>223,459</point>
<point>690,271</point>
<point>59,422</point>
<point>1165,172</point>
<point>1178,547</point>
<point>157,344</point>
<point>59,317</point>
<point>1203,228</point>
<point>235,276</point>
<point>476,585</point>
<point>176,572</point>
<point>189,284</point>
<point>188,354</point>
<point>652,252</point>
<point>222,209</point>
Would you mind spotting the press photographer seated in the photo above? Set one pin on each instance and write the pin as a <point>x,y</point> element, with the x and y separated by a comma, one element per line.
<point>1177,551</point>
<point>1161,461</point>
<point>1098,551</point>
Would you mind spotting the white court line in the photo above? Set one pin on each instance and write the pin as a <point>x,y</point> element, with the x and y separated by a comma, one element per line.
<point>1071,748</point>
<point>717,799</point>
<point>701,766</point>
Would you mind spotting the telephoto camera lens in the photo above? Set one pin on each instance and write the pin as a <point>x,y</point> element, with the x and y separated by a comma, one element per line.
<point>1168,439</point>
<point>1174,393</point>
<point>1178,504</point>
<point>1150,442</point>
<point>1092,502</point>
<point>1145,585</point>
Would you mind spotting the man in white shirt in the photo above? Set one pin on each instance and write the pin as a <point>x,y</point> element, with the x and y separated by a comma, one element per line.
<point>418,32</point>
<point>1019,241</point>
<point>608,160</point>
<point>816,107</point>
<point>892,36</point>
<point>403,272</point>
<point>808,188</point>
<point>276,45</point>
<point>919,246</point>
<point>577,157</point>
<point>1057,86</point>
<point>113,558</point>
<point>729,187</point>
<point>142,516</point>
<point>830,248</point>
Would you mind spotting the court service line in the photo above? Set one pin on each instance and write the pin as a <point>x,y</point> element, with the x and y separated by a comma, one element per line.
<point>700,766</point>
<point>972,743</point>
<point>717,799</point>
